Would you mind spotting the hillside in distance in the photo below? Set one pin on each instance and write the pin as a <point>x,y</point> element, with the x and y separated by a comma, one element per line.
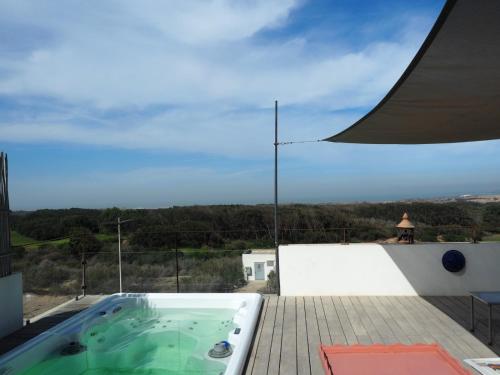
<point>200,247</point>
<point>223,223</point>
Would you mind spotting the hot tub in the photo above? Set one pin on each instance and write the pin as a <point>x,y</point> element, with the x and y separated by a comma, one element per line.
<point>145,334</point>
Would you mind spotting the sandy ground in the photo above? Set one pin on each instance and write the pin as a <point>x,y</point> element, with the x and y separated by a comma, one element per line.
<point>252,287</point>
<point>35,304</point>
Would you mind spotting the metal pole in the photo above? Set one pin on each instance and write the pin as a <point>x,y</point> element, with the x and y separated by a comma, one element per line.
<point>276,242</point>
<point>120,255</point>
<point>490,324</point>
<point>5,257</point>
<point>176,263</point>
<point>84,275</point>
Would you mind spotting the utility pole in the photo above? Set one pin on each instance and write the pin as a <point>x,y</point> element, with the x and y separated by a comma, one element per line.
<point>276,242</point>
<point>120,222</point>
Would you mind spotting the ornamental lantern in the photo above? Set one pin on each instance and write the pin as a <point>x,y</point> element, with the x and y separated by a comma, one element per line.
<point>406,230</point>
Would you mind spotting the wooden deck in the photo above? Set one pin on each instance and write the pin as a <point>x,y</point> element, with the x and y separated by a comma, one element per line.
<point>292,328</point>
<point>45,321</point>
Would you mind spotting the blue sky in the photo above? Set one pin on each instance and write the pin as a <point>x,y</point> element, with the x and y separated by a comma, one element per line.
<point>156,103</point>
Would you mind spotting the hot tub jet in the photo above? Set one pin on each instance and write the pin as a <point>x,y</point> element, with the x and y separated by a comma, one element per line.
<point>74,347</point>
<point>221,350</point>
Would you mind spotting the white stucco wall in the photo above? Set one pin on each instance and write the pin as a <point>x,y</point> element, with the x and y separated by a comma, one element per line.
<point>11,302</point>
<point>250,259</point>
<point>374,269</point>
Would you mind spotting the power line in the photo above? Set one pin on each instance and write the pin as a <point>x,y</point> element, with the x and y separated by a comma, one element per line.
<point>294,142</point>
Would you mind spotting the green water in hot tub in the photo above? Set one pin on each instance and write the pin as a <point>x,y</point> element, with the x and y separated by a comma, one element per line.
<point>146,341</point>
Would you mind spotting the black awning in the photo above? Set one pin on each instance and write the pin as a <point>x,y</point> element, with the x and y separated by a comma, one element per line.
<point>450,92</point>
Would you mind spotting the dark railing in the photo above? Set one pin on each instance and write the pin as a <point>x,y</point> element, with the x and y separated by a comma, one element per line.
<point>5,265</point>
<point>167,270</point>
<point>180,261</point>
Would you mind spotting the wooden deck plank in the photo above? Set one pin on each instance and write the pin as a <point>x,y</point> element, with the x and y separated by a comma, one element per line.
<point>438,332</point>
<point>455,332</point>
<point>458,315</point>
<point>445,314</point>
<point>261,362</point>
<point>356,323</point>
<point>421,334</point>
<point>366,320</point>
<point>307,321</point>
<point>275,355</point>
<point>333,322</point>
<point>462,312</point>
<point>324,332</point>
<point>303,362</point>
<point>313,336</point>
<point>255,345</point>
<point>413,334</point>
<point>385,333</point>
<point>426,324</point>
<point>460,333</point>
<point>438,321</point>
<point>390,321</point>
<point>288,360</point>
<point>456,318</point>
<point>349,333</point>
<point>463,304</point>
<point>397,333</point>
<point>481,330</point>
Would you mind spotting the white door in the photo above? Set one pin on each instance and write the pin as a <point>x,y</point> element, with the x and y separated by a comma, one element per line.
<point>259,271</point>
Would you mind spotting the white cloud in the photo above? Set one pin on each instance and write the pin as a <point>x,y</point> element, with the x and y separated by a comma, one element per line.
<point>233,134</point>
<point>193,21</point>
<point>221,96</point>
<point>117,75</point>
<point>128,53</point>
<point>136,53</point>
<point>214,76</point>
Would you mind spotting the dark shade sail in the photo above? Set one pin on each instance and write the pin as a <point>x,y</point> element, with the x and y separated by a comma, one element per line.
<point>450,92</point>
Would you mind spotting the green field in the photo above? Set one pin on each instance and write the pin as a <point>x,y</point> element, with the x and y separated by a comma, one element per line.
<point>18,239</point>
<point>492,237</point>
<point>107,237</point>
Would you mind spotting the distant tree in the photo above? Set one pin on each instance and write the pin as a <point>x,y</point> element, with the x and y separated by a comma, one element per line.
<point>83,240</point>
<point>154,237</point>
<point>491,217</point>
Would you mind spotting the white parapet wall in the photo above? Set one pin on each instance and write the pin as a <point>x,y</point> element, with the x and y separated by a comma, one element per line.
<point>11,303</point>
<point>386,269</point>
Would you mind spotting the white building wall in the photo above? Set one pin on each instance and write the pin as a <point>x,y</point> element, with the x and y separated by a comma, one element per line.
<point>249,260</point>
<point>11,302</point>
<point>386,269</point>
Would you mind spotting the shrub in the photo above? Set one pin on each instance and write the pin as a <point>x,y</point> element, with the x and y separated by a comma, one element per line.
<point>49,276</point>
<point>237,245</point>
<point>272,282</point>
<point>215,275</point>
